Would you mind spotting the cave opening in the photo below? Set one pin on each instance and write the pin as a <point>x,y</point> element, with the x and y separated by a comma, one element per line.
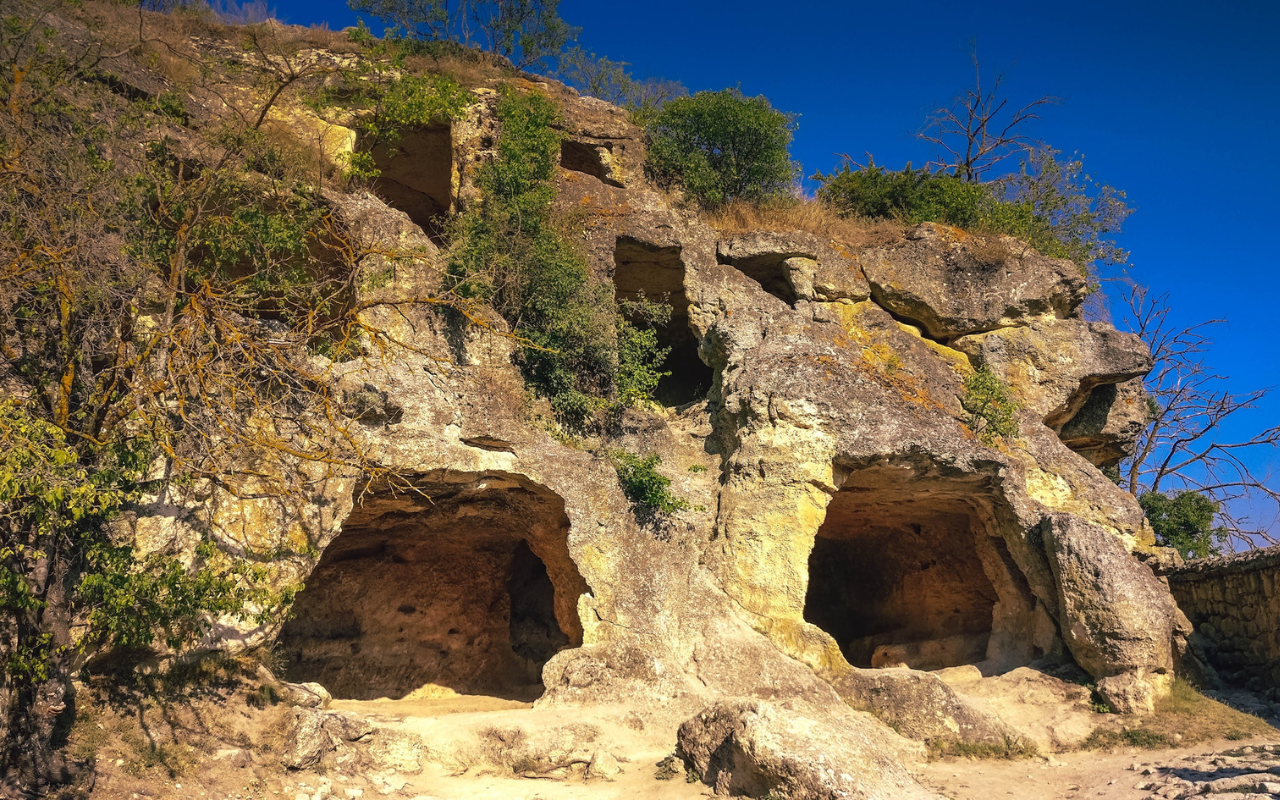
<point>590,159</point>
<point>417,176</point>
<point>771,271</point>
<point>658,274</point>
<point>469,589</point>
<point>895,575</point>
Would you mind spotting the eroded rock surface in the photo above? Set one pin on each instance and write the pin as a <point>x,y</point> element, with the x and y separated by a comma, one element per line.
<point>952,283</point>
<point>845,531</point>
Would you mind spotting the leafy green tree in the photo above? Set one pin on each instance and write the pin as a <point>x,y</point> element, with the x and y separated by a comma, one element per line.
<point>722,146</point>
<point>1185,522</point>
<point>528,32</point>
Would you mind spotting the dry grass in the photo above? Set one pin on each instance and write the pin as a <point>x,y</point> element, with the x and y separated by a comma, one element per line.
<point>805,215</point>
<point>1185,717</point>
<point>992,250</point>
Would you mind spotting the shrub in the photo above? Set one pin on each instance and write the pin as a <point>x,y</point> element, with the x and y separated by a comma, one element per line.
<point>512,253</point>
<point>1184,521</point>
<point>990,405</point>
<point>910,196</point>
<point>718,146</point>
<point>648,490</point>
<point>1050,204</point>
<point>639,356</point>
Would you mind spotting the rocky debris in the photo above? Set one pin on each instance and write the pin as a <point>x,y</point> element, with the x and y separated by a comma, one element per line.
<point>1252,771</point>
<point>1054,365</point>
<point>795,266</point>
<point>762,749</point>
<point>951,283</point>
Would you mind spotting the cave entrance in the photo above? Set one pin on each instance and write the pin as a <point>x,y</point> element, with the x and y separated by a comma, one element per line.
<point>658,274</point>
<point>590,159</point>
<point>895,576</point>
<point>472,590</point>
<point>417,176</point>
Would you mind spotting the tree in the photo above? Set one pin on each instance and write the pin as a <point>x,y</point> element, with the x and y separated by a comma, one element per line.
<point>528,32</point>
<point>1184,521</point>
<point>722,146</point>
<point>164,310</point>
<point>1184,446</point>
<point>1069,214</point>
<point>979,129</point>
<point>600,77</point>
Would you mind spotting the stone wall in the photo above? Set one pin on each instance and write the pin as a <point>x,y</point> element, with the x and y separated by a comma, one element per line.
<point>1234,602</point>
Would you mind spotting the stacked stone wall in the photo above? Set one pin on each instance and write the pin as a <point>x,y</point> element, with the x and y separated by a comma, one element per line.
<point>1234,602</point>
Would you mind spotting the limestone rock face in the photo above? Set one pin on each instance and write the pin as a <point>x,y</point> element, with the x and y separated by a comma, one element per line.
<point>846,530</point>
<point>952,284</point>
<point>761,749</point>
<point>1054,365</point>
<point>1106,428</point>
<point>795,266</point>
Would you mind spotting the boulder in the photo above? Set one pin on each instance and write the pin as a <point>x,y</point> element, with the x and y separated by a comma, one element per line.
<point>306,695</point>
<point>306,740</point>
<point>919,705</point>
<point>951,283</point>
<point>346,726</point>
<point>761,749</point>
<point>1054,365</point>
<point>1118,620</point>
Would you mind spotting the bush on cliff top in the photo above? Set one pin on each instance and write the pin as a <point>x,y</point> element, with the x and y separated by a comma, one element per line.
<point>1049,203</point>
<point>721,146</point>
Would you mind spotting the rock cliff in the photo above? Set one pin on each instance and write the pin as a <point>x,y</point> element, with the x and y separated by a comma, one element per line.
<point>847,532</point>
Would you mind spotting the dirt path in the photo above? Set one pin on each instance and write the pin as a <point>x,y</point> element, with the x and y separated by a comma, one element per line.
<point>1082,774</point>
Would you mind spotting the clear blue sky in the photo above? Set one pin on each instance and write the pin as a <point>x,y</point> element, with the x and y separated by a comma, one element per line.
<point>1175,102</point>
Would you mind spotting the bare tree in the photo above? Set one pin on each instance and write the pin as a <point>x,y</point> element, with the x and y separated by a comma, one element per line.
<point>979,129</point>
<point>1183,446</point>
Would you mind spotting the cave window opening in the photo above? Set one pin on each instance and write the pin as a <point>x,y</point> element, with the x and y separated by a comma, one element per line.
<point>658,274</point>
<point>589,159</point>
<point>417,176</point>
<point>471,593</point>
<point>771,272</point>
<point>895,578</point>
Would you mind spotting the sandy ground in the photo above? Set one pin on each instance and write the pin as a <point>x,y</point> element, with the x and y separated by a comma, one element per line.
<point>399,709</point>
<point>1067,775</point>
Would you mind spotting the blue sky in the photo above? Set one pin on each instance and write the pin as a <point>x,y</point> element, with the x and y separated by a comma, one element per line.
<point>1175,102</point>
